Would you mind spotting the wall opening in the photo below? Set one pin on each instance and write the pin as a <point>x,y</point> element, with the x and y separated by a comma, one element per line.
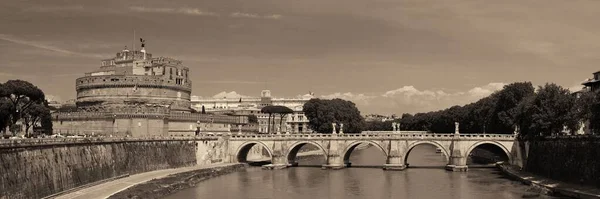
<point>426,155</point>
<point>306,154</point>
<point>364,154</point>
<point>486,154</point>
<point>254,154</point>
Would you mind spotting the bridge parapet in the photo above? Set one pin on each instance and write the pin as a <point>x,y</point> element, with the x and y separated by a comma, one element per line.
<point>18,143</point>
<point>379,136</point>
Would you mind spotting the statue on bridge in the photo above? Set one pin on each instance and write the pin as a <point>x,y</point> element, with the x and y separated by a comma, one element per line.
<point>333,126</point>
<point>288,128</point>
<point>394,126</point>
<point>341,128</point>
<point>456,128</point>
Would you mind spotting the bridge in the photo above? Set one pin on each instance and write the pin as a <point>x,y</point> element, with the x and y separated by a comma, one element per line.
<point>396,146</point>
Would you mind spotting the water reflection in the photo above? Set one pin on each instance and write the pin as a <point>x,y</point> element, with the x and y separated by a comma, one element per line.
<point>315,183</point>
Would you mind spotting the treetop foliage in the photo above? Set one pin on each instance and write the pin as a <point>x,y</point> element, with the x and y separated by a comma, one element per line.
<point>321,113</point>
<point>22,100</point>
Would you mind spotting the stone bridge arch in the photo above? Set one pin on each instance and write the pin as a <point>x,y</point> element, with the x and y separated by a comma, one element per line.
<point>293,150</point>
<point>241,153</point>
<point>350,148</point>
<point>445,150</point>
<point>495,143</point>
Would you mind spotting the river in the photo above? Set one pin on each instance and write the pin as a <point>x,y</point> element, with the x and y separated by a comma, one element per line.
<point>371,183</point>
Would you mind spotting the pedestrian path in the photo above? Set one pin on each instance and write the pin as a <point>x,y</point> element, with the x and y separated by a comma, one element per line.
<point>563,188</point>
<point>107,189</point>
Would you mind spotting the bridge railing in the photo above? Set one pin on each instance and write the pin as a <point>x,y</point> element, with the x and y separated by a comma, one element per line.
<point>379,135</point>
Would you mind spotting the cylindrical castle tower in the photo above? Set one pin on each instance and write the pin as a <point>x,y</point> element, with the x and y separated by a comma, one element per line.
<point>136,78</point>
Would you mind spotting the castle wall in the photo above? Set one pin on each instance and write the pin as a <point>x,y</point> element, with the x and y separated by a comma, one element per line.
<point>142,124</point>
<point>137,127</point>
<point>188,128</point>
<point>148,89</point>
<point>38,168</point>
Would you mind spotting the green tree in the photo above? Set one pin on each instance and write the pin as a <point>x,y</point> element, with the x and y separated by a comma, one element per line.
<point>321,113</point>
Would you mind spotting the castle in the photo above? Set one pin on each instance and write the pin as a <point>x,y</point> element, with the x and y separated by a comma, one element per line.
<point>136,94</point>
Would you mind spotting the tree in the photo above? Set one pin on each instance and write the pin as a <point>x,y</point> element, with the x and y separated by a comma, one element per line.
<point>321,113</point>
<point>282,111</point>
<point>268,110</point>
<point>34,114</point>
<point>548,112</point>
<point>252,119</point>
<point>507,100</point>
<point>588,109</point>
<point>22,95</point>
<point>5,112</point>
<point>378,125</point>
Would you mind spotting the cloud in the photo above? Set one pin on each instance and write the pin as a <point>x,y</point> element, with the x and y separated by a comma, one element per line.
<point>225,94</point>
<point>44,46</point>
<point>255,16</point>
<point>51,98</point>
<point>230,82</point>
<point>486,90</point>
<point>199,12</point>
<point>185,11</point>
<point>408,99</point>
<point>350,96</point>
<point>55,8</point>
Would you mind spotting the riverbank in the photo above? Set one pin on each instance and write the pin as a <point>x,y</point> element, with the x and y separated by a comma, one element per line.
<point>158,188</point>
<point>107,189</point>
<point>548,186</point>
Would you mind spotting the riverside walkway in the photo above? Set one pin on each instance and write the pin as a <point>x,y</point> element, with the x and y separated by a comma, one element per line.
<point>107,189</point>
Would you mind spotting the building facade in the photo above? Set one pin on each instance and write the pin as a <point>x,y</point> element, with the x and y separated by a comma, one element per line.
<point>589,85</point>
<point>292,123</point>
<point>136,94</point>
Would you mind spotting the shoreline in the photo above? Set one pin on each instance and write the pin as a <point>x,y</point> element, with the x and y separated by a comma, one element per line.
<point>548,186</point>
<point>160,187</point>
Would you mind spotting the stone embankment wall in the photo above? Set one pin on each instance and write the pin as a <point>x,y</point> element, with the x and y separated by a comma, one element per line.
<point>568,159</point>
<point>38,167</point>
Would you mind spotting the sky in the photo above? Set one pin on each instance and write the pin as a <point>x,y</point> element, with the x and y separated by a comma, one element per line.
<point>388,56</point>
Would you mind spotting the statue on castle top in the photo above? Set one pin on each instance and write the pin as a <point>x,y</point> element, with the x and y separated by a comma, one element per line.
<point>143,41</point>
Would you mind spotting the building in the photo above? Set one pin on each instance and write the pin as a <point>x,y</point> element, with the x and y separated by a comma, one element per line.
<point>380,118</point>
<point>296,122</point>
<point>589,85</point>
<point>592,84</point>
<point>136,94</point>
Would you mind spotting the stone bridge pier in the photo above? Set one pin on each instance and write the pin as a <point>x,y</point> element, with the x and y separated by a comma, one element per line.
<point>337,148</point>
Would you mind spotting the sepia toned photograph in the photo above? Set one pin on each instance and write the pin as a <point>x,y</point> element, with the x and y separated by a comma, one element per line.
<point>309,99</point>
